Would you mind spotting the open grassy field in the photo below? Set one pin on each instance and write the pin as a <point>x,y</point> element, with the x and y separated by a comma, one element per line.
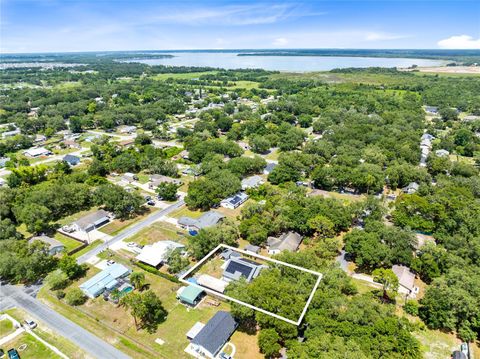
<point>117,225</point>
<point>34,349</point>
<point>91,246</point>
<point>6,327</point>
<point>184,211</point>
<point>158,231</point>
<point>182,76</point>
<point>68,242</point>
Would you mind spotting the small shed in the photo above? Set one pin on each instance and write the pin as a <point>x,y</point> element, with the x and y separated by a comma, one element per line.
<point>191,295</point>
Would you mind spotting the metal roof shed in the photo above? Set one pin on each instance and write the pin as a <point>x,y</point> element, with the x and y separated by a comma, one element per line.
<point>190,295</point>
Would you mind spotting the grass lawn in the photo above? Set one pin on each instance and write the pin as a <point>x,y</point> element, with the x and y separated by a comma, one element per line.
<point>184,211</point>
<point>246,345</point>
<point>143,178</point>
<point>244,85</point>
<point>158,231</point>
<point>6,327</point>
<point>34,349</point>
<point>435,344</point>
<point>50,336</point>
<point>272,155</point>
<point>88,248</point>
<point>183,76</point>
<point>68,242</point>
<point>362,286</point>
<point>117,225</point>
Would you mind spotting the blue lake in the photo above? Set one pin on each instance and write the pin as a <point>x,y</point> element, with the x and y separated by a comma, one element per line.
<point>283,63</point>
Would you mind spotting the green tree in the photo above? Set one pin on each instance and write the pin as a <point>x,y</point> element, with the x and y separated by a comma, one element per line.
<point>75,297</point>
<point>146,309</point>
<point>138,280</point>
<point>57,280</point>
<point>167,191</point>
<point>71,268</point>
<point>388,280</point>
<point>268,343</point>
<point>322,226</point>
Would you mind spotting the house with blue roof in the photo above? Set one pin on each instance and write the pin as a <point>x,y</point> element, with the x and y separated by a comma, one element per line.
<point>71,160</point>
<point>107,279</point>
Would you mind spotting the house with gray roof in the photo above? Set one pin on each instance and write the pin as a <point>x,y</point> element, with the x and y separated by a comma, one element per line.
<point>286,242</point>
<point>442,153</point>
<point>411,188</point>
<point>91,221</point>
<point>54,246</point>
<point>209,341</point>
<point>252,182</point>
<point>406,280</point>
<point>207,219</point>
<point>269,168</point>
<point>71,160</point>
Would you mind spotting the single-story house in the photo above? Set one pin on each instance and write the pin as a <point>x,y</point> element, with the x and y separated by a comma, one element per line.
<point>190,295</point>
<point>431,109</point>
<point>127,129</point>
<point>107,279</point>
<point>54,246</point>
<point>127,143</point>
<point>234,201</point>
<point>411,188</point>
<point>11,133</point>
<point>442,153</point>
<point>37,152</point>
<point>427,136</point>
<point>91,221</point>
<point>228,253</point>
<point>71,144</point>
<point>241,267</point>
<point>252,249</point>
<point>286,242</point>
<point>214,335</point>
<point>157,253</point>
<point>212,283</point>
<point>155,181</point>
<point>129,177</point>
<point>71,160</point>
<point>406,280</point>
<point>252,182</point>
<point>207,219</point>
<point>269,168</point>
<point>39,138</point>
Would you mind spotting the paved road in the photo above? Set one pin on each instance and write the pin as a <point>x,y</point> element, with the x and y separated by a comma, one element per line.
<point>130,231</point>
<point>14,296</point>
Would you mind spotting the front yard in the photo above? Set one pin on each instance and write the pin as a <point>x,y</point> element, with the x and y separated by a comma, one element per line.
<point>32,348</point>
<point>157,231</point>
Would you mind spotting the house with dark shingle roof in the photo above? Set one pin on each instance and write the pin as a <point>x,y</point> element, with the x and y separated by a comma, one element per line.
<point>214,335</point>
<point>207,219</point>
<point>286,242</point>
<point>72,160</point>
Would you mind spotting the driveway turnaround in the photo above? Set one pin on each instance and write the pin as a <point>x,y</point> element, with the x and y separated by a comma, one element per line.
<point>14,296</point>
<point>130,231</point>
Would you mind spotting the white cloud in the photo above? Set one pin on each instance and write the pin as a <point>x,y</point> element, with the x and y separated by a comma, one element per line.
<point>382,36</point>
<point>280,41</point>
<point>459,42</point>
<point>228,15</point>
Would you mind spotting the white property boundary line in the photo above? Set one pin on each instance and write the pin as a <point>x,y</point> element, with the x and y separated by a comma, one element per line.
<point>297,323</point>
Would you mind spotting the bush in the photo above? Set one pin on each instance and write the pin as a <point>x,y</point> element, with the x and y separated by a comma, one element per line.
<point>60,294</point>
<point>75,297</point>
<point>57,280</point>
<point>152,270</point>
<point>268,342</point>
<point>411,307</point>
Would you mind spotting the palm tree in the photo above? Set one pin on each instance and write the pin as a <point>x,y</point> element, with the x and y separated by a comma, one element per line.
<point>138,280</point>
<point>133,301</point>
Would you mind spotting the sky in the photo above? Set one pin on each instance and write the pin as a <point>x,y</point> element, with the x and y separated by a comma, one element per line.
<point>118,25</point>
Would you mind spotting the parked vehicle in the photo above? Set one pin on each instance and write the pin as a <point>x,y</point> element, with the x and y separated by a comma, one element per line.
<point>30,323</point>
<point>151,203</point>
<point>110,262</point>
<point>13,354</point>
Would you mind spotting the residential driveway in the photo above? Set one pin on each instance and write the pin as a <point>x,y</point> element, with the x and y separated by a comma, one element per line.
<point>130,231</point>
<point>14,296</point>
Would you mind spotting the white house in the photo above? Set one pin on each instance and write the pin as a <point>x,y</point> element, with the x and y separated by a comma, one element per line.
<point>235,201</point>
<point>37,152</point>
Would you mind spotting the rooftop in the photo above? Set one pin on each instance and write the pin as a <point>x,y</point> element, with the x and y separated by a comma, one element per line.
<point>208,219</point>
<point>157,252</point>
<point>92,219</point>
<point>216,332</point>
<point>288,241</point>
